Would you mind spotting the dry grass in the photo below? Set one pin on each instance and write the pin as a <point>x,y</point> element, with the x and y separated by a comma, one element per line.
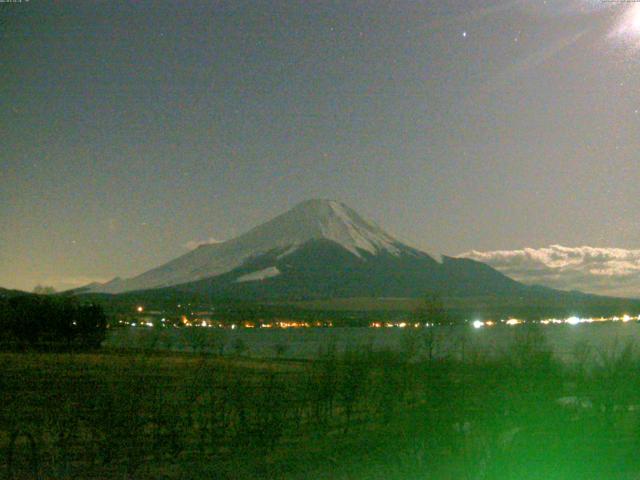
<point>361,415</point>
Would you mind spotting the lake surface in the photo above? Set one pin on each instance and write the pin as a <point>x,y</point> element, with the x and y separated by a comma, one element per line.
<point>564,340</point>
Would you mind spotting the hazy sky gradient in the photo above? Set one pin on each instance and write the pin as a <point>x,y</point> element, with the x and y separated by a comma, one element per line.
<point>129,130</point>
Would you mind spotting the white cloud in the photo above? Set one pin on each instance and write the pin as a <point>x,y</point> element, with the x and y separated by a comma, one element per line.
<point>604,271</point>
<point>193,244</point>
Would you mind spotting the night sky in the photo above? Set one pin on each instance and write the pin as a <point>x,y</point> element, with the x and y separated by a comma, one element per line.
<point>128,130</point>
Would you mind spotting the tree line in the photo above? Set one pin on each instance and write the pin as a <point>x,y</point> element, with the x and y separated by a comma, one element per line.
<point>45,321</point>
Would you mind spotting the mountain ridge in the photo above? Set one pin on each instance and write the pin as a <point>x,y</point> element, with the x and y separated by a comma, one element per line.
<point>314,219</point>
<point>322,250</point>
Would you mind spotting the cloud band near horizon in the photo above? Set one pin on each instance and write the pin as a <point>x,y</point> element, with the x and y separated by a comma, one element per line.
<point>603,271</point>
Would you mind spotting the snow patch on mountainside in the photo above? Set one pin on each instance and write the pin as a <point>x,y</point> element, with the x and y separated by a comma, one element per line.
<point>259,275</point>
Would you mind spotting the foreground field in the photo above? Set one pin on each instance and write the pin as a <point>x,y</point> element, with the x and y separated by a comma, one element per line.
<point>359,415</point>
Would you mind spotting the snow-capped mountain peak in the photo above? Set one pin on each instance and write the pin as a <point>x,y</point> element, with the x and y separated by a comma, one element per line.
<point>317,219</point>
<point>323,220</point>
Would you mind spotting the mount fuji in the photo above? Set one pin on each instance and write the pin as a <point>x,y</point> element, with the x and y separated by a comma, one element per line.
<point>318,249</point>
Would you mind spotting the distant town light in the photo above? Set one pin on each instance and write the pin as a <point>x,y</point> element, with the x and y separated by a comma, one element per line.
<point>140,309</point>
<point>573,320</point>
<point>478,324</point>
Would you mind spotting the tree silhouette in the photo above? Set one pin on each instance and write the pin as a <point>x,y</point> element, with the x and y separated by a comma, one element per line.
<point>44,290</point>
<point>430,310</point>
<point>44,320</point>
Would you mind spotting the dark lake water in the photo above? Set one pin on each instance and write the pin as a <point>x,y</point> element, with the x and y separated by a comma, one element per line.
<point>564,340</point>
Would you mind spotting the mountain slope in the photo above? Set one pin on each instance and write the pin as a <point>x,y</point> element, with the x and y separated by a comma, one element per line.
<point>324,269</point>
<point>318,249</point>
<point>310,220</point>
